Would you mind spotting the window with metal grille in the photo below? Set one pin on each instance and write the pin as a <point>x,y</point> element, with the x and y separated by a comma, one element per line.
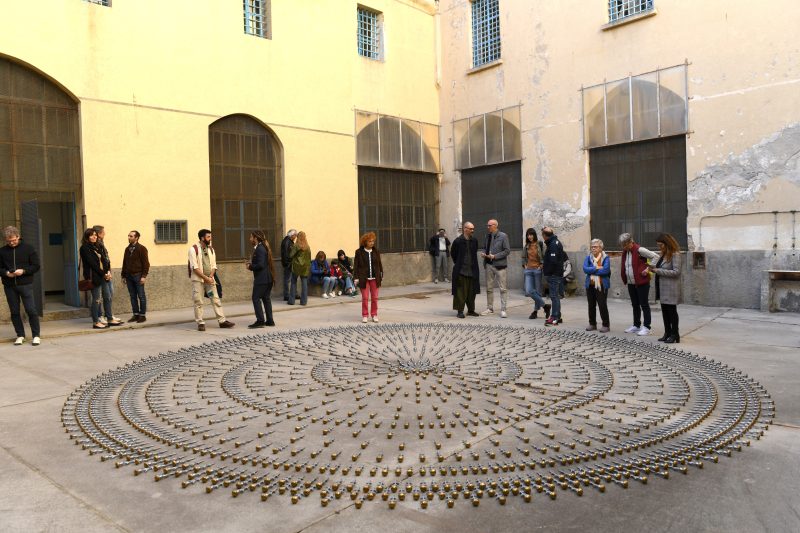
<point>256,18</point>
<point>399,206</point>
<point>621,9</point>
<point>100,2</point>
<point>369,33</point>
<point>485,31</point>
<point>170,231</point>
<point>494,192</point>
<point>246,185</point>
<point>639,188</point>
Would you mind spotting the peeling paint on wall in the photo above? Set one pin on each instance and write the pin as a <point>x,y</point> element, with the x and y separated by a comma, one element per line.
<point>562,217</point>
<point>739,180</point>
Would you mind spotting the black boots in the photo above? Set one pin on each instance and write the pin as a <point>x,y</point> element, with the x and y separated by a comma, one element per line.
<point>675,338</point>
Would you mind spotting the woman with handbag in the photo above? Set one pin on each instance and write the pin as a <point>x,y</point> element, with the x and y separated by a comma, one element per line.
<point>668,285</point>
<point>97,272</point>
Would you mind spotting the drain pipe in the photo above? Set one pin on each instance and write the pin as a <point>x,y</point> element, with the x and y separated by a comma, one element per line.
<point>774,222</point>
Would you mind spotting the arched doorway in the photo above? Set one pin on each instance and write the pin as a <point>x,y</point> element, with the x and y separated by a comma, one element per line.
<point>40,174</point>
<point>246,184</point>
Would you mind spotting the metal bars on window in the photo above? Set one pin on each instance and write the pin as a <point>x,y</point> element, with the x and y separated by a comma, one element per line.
<point>488,138</point>
<point>256,17</point>
<point>485,31</point>
<point>369,33</point>
<point>622,9</point>
<point>399,206</point>
<point>170,231</point>
<point>646,106</point>
<point>392,142</point>
<point>106,3</point>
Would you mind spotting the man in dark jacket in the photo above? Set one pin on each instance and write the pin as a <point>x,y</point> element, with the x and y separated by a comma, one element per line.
<point>135,267</point>
<point>439,248</point>
<point>18,263</point>
<point>286,261</point>
<point>466,276</point>
<point>553,270</point>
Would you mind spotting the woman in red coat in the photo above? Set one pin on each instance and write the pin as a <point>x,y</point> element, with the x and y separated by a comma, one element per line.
<point>368,273</point>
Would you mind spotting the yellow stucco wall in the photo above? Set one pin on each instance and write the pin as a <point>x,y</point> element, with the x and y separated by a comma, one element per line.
<point>151,76</point>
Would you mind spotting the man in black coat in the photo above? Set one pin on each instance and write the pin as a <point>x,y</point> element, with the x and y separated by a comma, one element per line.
<point>466,276</point>
<point>553,271</point>
<point>286,262</point>
<point>439,249</point>
<point>18,263</point>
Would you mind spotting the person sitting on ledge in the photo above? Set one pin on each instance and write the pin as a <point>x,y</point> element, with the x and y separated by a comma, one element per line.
<point>321,275</point>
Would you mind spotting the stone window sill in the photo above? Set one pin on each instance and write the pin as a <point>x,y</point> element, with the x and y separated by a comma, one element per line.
<point>628,20</point>
<point>485,66</point>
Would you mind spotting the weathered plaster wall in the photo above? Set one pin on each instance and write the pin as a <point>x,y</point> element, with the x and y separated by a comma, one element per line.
<point>743,148</point>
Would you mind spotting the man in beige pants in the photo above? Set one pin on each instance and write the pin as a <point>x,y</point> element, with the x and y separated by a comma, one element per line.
<point>202,266</point>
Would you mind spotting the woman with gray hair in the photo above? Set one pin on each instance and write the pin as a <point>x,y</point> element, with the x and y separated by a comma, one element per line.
<point>597,267</point>
<point>637,278</point>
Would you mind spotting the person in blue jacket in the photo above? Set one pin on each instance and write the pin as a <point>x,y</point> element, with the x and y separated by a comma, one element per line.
<point>597,267</point>
<point>261,264</point>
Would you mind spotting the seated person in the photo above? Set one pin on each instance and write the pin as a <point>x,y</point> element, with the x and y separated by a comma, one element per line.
<point>321,275</point>
<point>344,279</point>
<point>347,271</point>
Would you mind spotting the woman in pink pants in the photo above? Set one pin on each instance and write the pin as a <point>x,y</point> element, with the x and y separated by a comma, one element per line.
<point>368,273</point>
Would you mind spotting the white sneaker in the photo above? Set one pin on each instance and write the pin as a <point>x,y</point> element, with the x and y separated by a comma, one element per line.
<point>632,329</point>
<point>364,319</point>
<point>339,293</point>
<point>503,314</point>
<point>19,341</point>
<point>374,319</point>
<point>36,341</point>
<point>436,281</point>
<point>104,320</point>
<point>325,295</point>
<point>488,311</point>
<point>642,332</point>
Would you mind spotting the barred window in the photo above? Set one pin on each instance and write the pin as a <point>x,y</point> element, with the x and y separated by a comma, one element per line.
<point>100,2</point>
<point>170,231</point>
<point>369,33</point>
<point>485,31</point>
<point>256,18</point>
<point>246,184</point>
<point>399,206</point>
<point>621,9</point>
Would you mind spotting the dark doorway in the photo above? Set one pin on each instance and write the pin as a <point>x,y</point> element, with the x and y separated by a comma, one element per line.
<point>494,191</point>
<point>40,174</point>
<point>639,188</point>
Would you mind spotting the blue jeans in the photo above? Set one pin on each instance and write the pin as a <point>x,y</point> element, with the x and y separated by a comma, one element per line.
<point>101,294</point>
<point>533,286</point>
<point>15,293</point>
<point>328,284</point>
<point>136,292</point>
<point>287,276</point>
<point>304,290</point>
<point>555,294</point>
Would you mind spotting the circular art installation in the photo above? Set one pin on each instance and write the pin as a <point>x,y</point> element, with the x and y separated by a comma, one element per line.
<point>417,414</point>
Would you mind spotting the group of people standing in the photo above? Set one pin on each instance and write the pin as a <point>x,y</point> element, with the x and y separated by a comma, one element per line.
<point>541,260</point>
<point>546,260</point>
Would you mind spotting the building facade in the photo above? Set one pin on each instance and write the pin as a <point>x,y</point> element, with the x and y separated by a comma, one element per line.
<point>641,116</point>
<point>171,117</point>
<point>400,116</point>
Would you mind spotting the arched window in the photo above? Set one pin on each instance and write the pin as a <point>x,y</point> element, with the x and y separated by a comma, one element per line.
<point>246,188</point>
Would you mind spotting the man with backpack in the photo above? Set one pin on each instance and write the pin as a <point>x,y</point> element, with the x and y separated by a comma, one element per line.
<point>202,266</point>
<point>553,271</point>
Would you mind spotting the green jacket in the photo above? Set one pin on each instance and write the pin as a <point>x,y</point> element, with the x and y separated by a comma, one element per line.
<point>301,262</point>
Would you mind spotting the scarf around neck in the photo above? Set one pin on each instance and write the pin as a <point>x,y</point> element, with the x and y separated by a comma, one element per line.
<point>595,280</point>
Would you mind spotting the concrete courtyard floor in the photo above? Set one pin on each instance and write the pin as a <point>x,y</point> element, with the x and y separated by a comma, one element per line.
<point>48,484</point>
